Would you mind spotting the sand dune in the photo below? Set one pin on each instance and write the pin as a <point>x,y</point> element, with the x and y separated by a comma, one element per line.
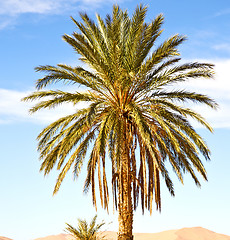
<point>196,233</point>
<point>199,233</point>
<point>55,237</point>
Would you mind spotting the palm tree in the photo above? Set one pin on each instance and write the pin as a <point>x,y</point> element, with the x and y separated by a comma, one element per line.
<point>133,116</point>
<point>86,231</point>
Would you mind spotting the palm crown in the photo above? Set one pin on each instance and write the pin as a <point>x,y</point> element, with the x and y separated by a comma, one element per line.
<point>131,111</point>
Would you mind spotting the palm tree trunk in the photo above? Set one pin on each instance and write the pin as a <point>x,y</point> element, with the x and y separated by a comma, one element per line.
<point>125,217</point>
<point>125,205</point>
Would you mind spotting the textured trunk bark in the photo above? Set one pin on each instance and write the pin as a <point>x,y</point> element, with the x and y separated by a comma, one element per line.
<point>125,216</point>
<point>125,205</point>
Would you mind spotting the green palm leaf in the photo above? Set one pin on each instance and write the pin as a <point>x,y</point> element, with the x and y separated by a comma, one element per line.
<point>134,117</point>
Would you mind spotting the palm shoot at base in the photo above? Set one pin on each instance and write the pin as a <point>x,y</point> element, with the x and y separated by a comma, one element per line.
<point>85,231</point>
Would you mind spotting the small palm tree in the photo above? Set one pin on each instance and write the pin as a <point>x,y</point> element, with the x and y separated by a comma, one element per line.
<point>85,231</point>
<point>133,119</point>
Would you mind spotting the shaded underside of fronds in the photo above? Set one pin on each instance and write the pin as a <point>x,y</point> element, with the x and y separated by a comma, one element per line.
<point>132,117</point>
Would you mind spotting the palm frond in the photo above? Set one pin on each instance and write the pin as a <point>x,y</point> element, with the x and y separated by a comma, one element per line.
<point>131,110</point>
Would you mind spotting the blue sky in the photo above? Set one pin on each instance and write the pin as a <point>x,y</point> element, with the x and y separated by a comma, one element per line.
<point>30,35</point>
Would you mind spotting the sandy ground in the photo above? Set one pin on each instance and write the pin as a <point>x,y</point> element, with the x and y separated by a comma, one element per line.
<point>196,233</point>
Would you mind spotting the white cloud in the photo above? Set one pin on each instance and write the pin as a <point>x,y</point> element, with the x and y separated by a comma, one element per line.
<point>13,110</point>
<point>11,9</point>
<point>16,7</point>
<point>222,47</point>
<point>218,89</point>
<point>223,12</point>
<point>6,22</point>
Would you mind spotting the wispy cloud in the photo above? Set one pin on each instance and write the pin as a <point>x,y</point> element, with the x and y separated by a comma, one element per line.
<point>11,9</point>
<point>15,7</point>
<point>218,89</point>
<point>5,21</point>
<point>13,110</point>
<point>222,47</point>
<point>223,12</point>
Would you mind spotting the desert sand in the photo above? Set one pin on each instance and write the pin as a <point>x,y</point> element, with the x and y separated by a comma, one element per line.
<point>195,233</point>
